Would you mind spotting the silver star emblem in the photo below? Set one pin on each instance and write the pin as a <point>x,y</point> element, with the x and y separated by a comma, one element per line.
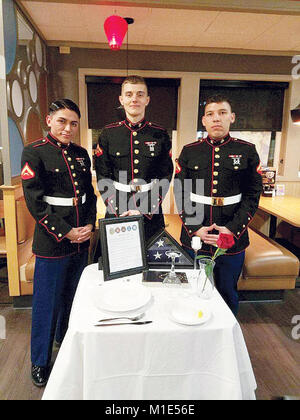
<point>160,243</point>
<point>157,255</point>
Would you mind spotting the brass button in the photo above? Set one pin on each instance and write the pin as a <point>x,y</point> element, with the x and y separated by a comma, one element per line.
<point>53,228</point>
<point>216,164</point>
<point>136,161</point>
<point>136,151</point>
<point>65,152</point>
<point>238,233</point>
<point>216,173</point>
<point>136,171</point>
<point>217,149</point>
<point>75,183</point>
<point>69,159</point>
<point>136,142</point>
<point>74,175</point>
<point>244,226</point>
<point>134,133</point>
<point>57,170</point>
<point>118,153</point>
<point>217,156</point>
<point>59,235</point>
<point>236,167</point>
<point>215,182</point>
<point>152,154</point>
<point>135,180</point>
<point>46,222</point>
<point>196,167</point>
<point>214,190</point>
<point>72,166</point>
<point>77,191</point>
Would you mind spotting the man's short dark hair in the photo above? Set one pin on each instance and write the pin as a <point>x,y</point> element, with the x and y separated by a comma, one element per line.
<point>64,104</point>
<point>216,99</point>
<point>134,79</point>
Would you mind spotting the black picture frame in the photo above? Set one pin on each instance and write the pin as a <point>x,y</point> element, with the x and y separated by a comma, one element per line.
<point>110,223</point>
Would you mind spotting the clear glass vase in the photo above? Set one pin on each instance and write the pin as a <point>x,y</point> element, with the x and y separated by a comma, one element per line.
<point>205,280</point>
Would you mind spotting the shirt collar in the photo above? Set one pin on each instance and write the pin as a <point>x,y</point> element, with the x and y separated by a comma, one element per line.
<point>56,142</point>
<point>135,125</point>
<point>225,139</point>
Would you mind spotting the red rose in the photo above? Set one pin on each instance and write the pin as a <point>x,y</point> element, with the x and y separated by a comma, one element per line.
<point>225,241</point>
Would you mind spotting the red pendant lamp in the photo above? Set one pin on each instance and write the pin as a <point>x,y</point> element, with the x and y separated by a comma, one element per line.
<point>115,28</point>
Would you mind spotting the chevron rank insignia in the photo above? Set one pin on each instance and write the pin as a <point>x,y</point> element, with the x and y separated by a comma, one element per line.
<point>27,172</point>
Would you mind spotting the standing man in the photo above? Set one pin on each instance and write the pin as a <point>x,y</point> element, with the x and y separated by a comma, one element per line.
<point>58,189</point>
<point>133,157</point>
<point>230,170</point>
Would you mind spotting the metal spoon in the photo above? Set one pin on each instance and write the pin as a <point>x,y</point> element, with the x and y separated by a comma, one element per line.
<point>134,318</point>
<point>123,323</point>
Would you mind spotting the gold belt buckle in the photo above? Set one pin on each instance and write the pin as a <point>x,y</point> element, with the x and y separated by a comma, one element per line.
<point>135,188</point>
<point>218,201</point>
<point>75,201</point>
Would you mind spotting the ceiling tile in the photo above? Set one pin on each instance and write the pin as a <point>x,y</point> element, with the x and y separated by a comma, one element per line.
<point>168,27</point>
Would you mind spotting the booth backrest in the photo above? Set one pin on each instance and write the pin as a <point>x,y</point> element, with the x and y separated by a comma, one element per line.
<point>25,222</point>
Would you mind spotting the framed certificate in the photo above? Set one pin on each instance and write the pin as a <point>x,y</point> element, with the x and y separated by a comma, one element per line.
<point>123,246</point>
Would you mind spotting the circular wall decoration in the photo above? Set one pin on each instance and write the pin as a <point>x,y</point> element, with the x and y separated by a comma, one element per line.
<point>32,84</point>
<point>10,34</point>
<point>33,129</point>
<point>39,51</point>
<point>43,98</point>
<point>16,147</point>
<point>21,72</point>
<point>17,100</point>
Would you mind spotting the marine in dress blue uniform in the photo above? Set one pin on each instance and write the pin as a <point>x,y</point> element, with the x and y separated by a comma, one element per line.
<point>228,199</point>
<point>56,177</point>
<point>132,159</point>
<point>142,152</point>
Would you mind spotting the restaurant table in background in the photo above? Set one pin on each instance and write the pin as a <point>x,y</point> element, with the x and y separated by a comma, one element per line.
<point>162,360</point>
<point>285,207</point>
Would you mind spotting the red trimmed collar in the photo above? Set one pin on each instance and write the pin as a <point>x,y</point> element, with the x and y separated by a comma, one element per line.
<point>53,140</point>
<point>135,126</point>
<point>218,143</point>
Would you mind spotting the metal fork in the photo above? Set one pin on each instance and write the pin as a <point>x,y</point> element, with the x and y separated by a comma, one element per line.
<point>133,318</point>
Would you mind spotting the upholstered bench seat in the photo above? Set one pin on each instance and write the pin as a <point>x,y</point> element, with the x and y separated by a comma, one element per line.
<point>3,246</point>
<point>268,265</point>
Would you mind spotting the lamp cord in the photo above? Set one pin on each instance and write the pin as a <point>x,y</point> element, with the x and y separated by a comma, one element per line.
<point>127,53</point>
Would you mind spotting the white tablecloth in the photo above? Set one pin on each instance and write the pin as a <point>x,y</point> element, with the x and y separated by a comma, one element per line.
<point>159,361</point>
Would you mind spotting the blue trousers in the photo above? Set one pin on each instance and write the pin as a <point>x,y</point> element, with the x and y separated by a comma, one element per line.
<point>226,274</point>
<point>55,283</point>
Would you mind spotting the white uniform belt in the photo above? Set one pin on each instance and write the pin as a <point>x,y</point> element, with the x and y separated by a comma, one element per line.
<point>216,201</point>
<point>133,188</point>
<point>61,201</point>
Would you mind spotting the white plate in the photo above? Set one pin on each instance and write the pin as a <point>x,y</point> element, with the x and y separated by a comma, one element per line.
<point>122,297</point>
<point>190,312</point>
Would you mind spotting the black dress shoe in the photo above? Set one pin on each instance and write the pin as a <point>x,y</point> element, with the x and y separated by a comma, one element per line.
<point>39,375</point>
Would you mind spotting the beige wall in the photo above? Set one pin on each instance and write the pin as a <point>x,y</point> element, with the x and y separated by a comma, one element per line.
<point>63,68</point>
